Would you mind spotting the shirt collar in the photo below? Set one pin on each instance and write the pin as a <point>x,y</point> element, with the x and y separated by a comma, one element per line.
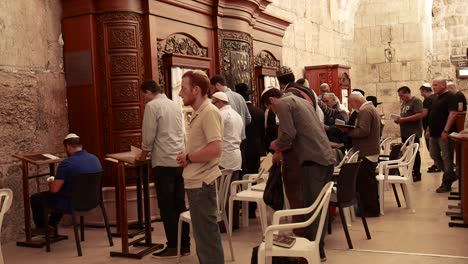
<point>364,104</point>
<point>202,107</point>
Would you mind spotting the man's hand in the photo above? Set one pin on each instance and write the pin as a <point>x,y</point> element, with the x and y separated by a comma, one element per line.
<point>143,155</point>
<point>181,159</point>
<point>277,157</point>
<point>444,135</point>
<point>273,146</point>
<point>397,120</point>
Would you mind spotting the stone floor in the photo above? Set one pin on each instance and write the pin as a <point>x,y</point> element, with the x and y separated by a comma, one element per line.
<point>398,237</point>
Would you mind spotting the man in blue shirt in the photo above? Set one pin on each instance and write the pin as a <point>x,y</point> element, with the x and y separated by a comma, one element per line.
<point>51,203</point>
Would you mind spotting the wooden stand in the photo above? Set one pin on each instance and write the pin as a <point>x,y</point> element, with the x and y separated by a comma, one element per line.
<point>462,168</point>
<point>38,160</point>
<point>121,198</point>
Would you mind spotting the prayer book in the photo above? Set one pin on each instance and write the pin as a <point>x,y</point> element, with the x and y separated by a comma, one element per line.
<point>341,123</point>
<point>283,241</point>
<point>394,117</point>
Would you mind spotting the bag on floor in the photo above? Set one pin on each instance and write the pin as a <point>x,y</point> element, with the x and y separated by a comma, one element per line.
<point>273,195</point>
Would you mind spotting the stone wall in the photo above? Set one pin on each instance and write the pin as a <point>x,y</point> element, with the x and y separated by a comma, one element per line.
<point>320,33</point>
<point>406,25</point>
<point>449,38</point>
<point>33,110</point>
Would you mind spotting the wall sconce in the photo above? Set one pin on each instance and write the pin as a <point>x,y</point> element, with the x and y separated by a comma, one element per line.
<point>389,52</point>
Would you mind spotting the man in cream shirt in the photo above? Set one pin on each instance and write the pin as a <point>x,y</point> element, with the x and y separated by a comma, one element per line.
<point>201,162</point>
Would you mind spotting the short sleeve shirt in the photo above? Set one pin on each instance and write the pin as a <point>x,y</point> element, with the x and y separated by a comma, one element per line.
<point>206,126</point>
<point>409,108</point>
<point>427,104</point>
<point>78,163</point>
<point>441,107</point>
<point>460,98</point>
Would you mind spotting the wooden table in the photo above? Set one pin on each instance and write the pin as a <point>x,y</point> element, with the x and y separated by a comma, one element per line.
<point>37,159</point>
<point>462,165</point>
<point>124,160</point>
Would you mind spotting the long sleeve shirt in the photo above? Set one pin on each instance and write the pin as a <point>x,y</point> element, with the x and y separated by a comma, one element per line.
<point>237,102</point>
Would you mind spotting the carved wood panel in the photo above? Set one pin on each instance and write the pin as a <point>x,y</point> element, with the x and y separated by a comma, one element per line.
<point>123,142</point>
<point>178,44</point>
<point>121,65</point>
<point>125,91</point>
<point>265,58</point>
<point>236,58</point>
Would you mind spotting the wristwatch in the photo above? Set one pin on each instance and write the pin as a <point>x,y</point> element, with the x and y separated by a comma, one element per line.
<point>187,159</point>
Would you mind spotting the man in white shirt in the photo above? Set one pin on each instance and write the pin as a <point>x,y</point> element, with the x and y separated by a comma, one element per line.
<point>231,157</point>
<point>163,136</point>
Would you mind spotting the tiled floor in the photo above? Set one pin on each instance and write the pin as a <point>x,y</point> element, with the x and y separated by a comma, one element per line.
<point>398,237</point>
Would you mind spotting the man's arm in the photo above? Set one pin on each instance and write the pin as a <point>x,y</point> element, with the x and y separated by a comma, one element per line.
<point>460,107</point>
<point>411,118</point>
<point>56,185</point>
<point>286,126</point>
<point>425,112</point>
<point>448,125</point>
<point>363,127</point>
<point>211,151</point>
<point>149,128</point>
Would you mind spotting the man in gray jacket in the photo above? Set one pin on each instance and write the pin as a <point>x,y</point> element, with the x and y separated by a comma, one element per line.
<point>366,139</point>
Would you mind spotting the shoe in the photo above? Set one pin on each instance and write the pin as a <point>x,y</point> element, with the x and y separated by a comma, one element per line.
<point>41,231</point>
<point>185,251</point>
<point>443,189</point>
<point>166,253</point>
<point>416,178</point>
<point>323,257</point>
<point>433,168</point>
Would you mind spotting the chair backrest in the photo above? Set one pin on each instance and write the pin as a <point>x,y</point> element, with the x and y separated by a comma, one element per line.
<point>353,157</point>
<point>409,157</point>
<point>348,154</point>
<point>408,142</point>
<point>385,146</point>
<point>86,191</point>
<point>6,197</point>
<point>222,188</point>
<point>346,189</point>
<point>265,166</point>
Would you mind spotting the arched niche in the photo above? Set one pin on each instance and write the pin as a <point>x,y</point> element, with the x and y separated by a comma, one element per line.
<point>265,74</point>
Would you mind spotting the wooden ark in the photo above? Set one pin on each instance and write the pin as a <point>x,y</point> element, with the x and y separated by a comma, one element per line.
<point>112,46</point>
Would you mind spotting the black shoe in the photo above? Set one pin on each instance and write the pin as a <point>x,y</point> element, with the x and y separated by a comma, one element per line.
<point>41,231</point>
<point>443,189</point>
<point>433,168</point>
<point>166,253</point>
<point>323,257</point>
<point>185,251</point>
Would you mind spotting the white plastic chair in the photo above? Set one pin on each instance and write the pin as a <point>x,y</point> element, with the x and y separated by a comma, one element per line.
<point>385,146</point>
<point>222,187</point>
<point>6,197</point>
<point>405,164</point>
<point>242,191</point>
<point>303,247</point>
<point>409,141</point>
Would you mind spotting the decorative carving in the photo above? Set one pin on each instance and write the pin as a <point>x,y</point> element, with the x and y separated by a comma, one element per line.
<point>344,79</point>
<point>236,58</point>
<point>124,142</point>
<point>265,58</point>
<point>104,23</point>
<point>126,119</point>
<point>123,65</point>
<point>122,37</point>
<point>178,44</point>
<point>124,91</point>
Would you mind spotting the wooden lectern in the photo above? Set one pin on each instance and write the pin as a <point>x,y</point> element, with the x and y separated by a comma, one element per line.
<point>37,159</point>
<point>123,160</point>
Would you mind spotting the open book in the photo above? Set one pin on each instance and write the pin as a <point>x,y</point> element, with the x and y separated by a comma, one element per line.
<point>129,156</point>
<point>41,157</point>
<point>283,241</point>
<point>341,123</point>
<point>394,117</point>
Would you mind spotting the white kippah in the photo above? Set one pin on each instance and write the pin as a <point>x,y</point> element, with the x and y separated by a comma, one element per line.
<point>71,135</point>
<point>428,85</point>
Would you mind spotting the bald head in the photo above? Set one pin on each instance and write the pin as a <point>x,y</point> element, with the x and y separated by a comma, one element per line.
<point>439,85</point>
<point>356,99</point>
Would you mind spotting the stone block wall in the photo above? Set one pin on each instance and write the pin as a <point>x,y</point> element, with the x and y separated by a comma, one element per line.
<point>320,33</point>
<point>449,38</point>
<point>406,24</point>
<point>33,110</point>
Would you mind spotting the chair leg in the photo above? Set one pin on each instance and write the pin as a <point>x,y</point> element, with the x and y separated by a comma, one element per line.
<point>230,216</point>
<point>229,235</point>
<point>179,238</point>
<point>106,223</point>
<point>82,227</point>
<point>345,227</point>
<point>263,215</point>
<point>77,236</point>
<point>407,194</point>
<point>363,217</point>
<point>381,196</point>
<point>329,227</point>
<point>396,195</point>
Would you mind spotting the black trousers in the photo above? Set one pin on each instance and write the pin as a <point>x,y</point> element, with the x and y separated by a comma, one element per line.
<point>43,209</point>
<point>417,160</point>
<point>171,201</point>
<point>367,187</point>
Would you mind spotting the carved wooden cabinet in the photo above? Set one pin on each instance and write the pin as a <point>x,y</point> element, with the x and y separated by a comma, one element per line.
<point>337,76</point>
